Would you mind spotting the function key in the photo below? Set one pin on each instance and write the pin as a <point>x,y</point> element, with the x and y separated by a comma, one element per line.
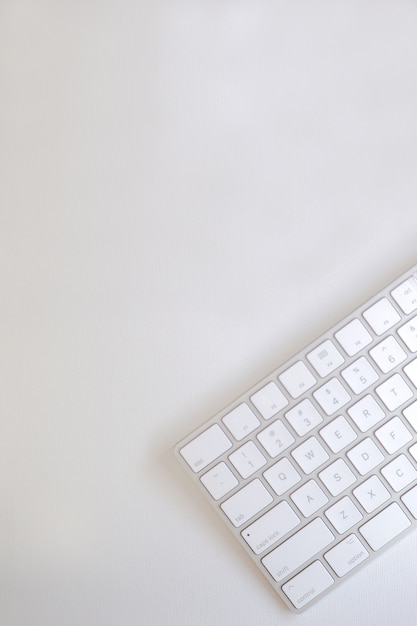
<point>241,421</point>
<point>381,316</point>
<point>297,379</point>
<point>353,337</point>
<point>405,295</point>
<point>325,358</point>
<point>269,400</point>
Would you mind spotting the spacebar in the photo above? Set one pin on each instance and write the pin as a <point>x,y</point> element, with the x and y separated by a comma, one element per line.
<point>298,549</point>
<point>385,526</point>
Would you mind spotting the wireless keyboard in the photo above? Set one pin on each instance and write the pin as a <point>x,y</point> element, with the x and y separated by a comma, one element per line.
<point>314,469</point>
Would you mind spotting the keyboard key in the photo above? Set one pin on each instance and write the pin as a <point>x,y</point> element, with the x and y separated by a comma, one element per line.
<point>413,451</point>
<point>276,438</point>
<point>309,498</point>
<point>371,494</point>
<point>365,456</point>
<point>366,413</point>
<point>360,375</point>
<point>310,455</point>
<point>353,337</point>
<point>297,379</point>
<point>308,584</point>
<point>325,358</point>
<point>205,448</point>
<point>386,525</point>
<point>347,555</point>
<point>241,421</point>
<point>337,477</point>
<point>410,413</point>
<point>246,503</point>
<point>304,417</point>
<point>247,459</point>
<point>405,295</point>
<point>219,480</point>
<point>282,476</point>
<point>388,354</point>
<point>270,528</point>
<point>381,316</point>
<point>332,396</point>
<point>410,501</point>
<point>408,334</point>
<point>338,434</point>
<point>411,372</point>
<point>399,473</point>
<point>298,549</point>
<point>269,400</point>
<point>394,392</point>
<point>343,515</point>
<point>393,435</point>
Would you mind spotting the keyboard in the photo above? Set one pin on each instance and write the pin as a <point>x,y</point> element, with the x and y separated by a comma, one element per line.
<point>314,469</point>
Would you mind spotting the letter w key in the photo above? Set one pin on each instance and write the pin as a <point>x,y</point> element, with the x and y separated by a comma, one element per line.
<point>310,455</point>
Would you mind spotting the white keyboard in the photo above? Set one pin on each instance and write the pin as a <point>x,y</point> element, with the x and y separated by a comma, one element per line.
<point>314,469</point>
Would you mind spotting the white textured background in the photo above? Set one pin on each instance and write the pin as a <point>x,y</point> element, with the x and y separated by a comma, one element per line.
<point>189,192</point>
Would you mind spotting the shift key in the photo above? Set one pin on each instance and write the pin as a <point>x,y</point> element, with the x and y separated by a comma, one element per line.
<point>298,549</point>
